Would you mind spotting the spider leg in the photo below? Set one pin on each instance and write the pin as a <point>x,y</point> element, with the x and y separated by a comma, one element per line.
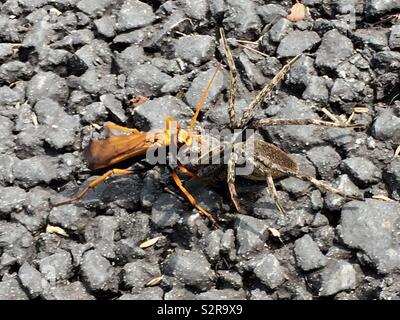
<point>320,184</point>
<point>265,92</point>
<point>233,79</point>
<point>273,193</point>
<point>317,122</point>
<point>233,158</point>
<point>94,184</point>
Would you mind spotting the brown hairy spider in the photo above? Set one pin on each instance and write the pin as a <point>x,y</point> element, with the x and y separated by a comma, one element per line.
<point>268,160</point>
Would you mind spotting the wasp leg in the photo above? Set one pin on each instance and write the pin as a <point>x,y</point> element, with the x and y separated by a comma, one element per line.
<point>233,79</point>
<point>95,183</point>
<point>317,122</point>
<point>191,199</point>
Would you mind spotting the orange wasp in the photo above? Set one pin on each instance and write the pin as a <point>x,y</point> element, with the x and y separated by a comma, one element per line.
<point>117,148</point>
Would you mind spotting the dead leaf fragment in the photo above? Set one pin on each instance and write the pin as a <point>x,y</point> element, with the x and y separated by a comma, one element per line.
<point>138,100</point>
<point>56,230</point>
<point>149,243</point>
<point>382,197</point>
<point>154,282</point>
<point>397,152</point>
<point>297,13</point>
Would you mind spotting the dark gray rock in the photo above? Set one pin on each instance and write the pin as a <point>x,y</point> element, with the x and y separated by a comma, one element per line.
<point>224,294</point>
<point>97,272</point>
<point>93,8</point>
<point>47,85</point>
<point>269,271</point>
<point>57,266</point>
<point>325,159</point>
<point>386,61</point>
<point>195,49</point>
<point>253,76</point>
<point>134,14</point>
<point>6,127</point>
<point>93,113</point>
<point>251,234</point>
<point>297,42</point>
<point>35,170</point>
<point>198,85</point>
<point>191,268</point>
<point>295,185</point>
<point>137,273</point>
<point>241,18</point>
<point>75,38</point>
<point>392,178</point>
<point>334,49</point>
<point>386,126</point>
<point>394,39</point>
<point>212,242</point>
<point>115,191</point>
<point>324,237</point>
<point>12,199</point>
<point>114,106</point>
<point>31,280</point>
<point>96,55</point>
<point>62,62</point>
<point>129,58</point>
<point>9,97</point>
<point>178,293</point>
<point>377,39</point>
<point>375,8</point>
<point>6,50</point>
<point>372,226</point>
<point>196,9</point>
<point>338,275</point>
<point>11,290</point>
<point>362,170</point>
<point>293,138</point>
<point>13,71</point>
<point>230,279</point>
<point>335,202</point>
<point>271,12</point>
<point>317,201</point>
<point>151,114</point>
<point>316,90</point>
<point>16,241</point>
<point>146,80</point>
<point>69,217</point>
<point>348,90</point>
<point>72,291</point>
<point>280,29</point>
<point>166,211</point>
<point>308,255</point>
<point>136,226</point>
<point>60,129</point>
<point>390,288</point>
<point>106,26</point>
<point>102,233</point>
<point>302,71</point>
<point>155,293</point>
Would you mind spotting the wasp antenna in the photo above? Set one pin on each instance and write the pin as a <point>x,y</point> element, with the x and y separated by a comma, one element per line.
<point>203,98</point>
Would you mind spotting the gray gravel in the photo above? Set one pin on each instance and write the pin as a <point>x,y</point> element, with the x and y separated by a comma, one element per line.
<point>67,67</point>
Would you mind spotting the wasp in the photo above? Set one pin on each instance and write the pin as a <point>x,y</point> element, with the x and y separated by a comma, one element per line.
<point>267,160</point>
